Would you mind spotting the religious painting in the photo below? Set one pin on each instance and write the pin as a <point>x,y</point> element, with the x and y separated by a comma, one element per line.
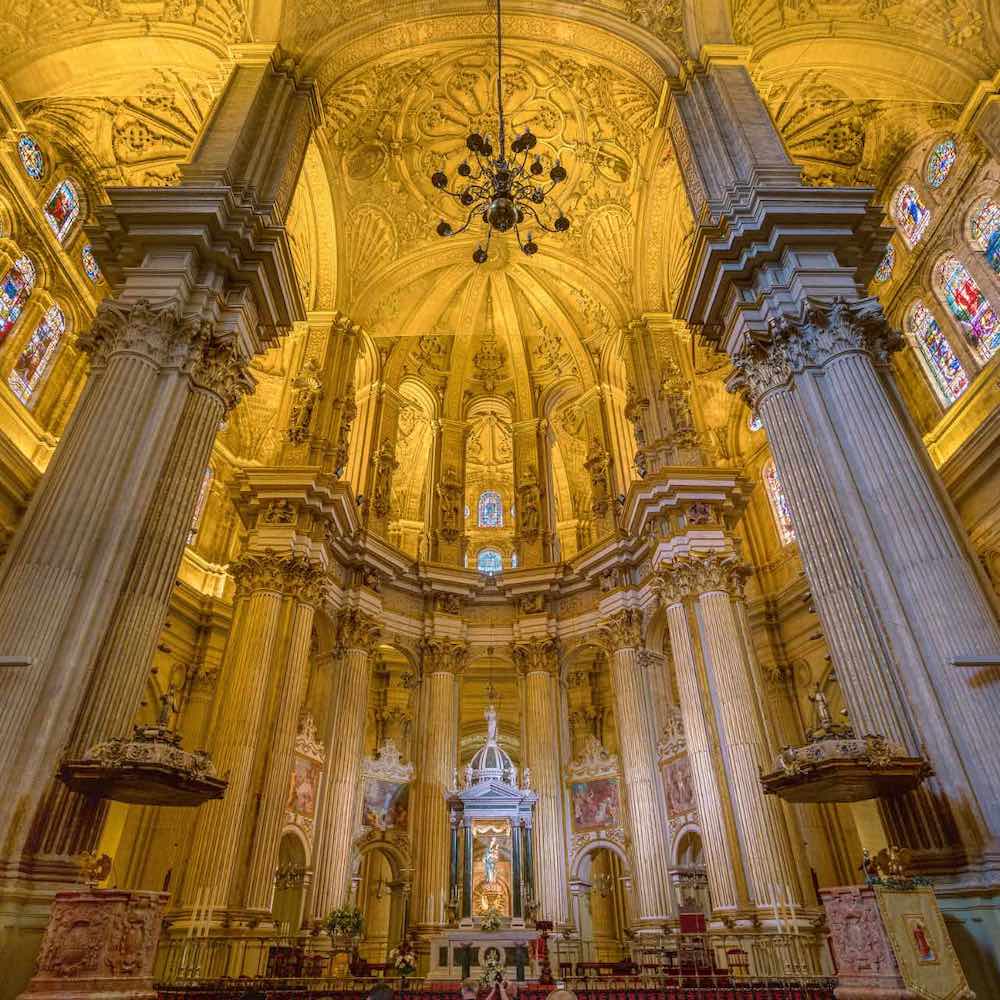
<point>386,804</point>
<point>492,873</point>
<point>596,804</point>
<point>678,788</point>
<point>304,787</point>
<point>922,938</point>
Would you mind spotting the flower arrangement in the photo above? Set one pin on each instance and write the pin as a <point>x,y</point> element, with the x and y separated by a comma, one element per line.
<point>491,920</point>
<point>404,959</point>
<point>345,920</point>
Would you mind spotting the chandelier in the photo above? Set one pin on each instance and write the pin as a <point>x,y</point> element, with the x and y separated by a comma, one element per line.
<point>505,191</point>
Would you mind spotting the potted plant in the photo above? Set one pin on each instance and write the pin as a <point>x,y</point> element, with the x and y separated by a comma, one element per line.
<point>345,922</point>
<point>491,920</point>
<point>404,959</point>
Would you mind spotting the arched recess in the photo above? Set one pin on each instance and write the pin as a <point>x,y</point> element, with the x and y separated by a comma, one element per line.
<point>600,882</point>
<point>290,881</point>
<point>412,488</point>
<point>381,897</point>
<point>489,468</point>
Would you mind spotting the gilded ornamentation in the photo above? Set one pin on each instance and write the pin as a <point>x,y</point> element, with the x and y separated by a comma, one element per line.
<point>449,491</point>
<point>529,505</point>
<point>598,468</point>
<point>357,630</point>
<point>444,656</point>
<point>280,573</point>
<point>622,630</point>
<point>307,391</point>
<point>537,655</point>
<point>385,464</point>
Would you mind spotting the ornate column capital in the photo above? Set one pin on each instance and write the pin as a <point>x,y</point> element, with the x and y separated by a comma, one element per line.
<point>281,573</point>
<point>622,630</point>
<point>357,630</point>
<point>158,334</point>
<point>217,367</point>
<point>444,656</point>
<point>537,656</point>
<point>824,331</point>
<point>692,576</point>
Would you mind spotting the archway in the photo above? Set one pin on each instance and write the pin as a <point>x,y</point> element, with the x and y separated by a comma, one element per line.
<point>600,891</point>
<point>381,901</point>
<point>289,885</point>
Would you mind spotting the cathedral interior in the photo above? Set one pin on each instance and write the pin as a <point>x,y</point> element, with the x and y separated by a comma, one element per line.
<point>549,583</point>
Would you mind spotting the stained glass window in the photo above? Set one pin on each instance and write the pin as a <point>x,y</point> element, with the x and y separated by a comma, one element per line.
<point>910,214</point>
<point>15,287</point>
<point>513,560</point>
<point>969,306</point>
<point>943,369</point>
<point>940,162</point>
<point>779,504</point>
<point>755,423</point>
<point>199,506</point>
<point>37,354</point>
<point>90,265</point>
<point>32,157</point>
<point>884,271</point>
<point>985,231</point>
<point>489,561</point>
<point>63,209</point>
<point>490,510</point>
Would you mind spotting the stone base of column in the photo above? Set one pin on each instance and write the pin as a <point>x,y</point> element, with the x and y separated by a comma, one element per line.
<point>99,943</point>
<point>892,944</point>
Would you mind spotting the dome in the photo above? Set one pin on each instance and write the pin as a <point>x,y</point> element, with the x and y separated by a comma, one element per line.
<point>491,762</point>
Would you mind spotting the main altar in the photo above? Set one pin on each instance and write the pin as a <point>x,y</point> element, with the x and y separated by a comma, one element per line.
<point>491,897</point>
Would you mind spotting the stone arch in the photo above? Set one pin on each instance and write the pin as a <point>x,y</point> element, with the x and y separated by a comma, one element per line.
<point>688,847</point>
<point>583,856</point>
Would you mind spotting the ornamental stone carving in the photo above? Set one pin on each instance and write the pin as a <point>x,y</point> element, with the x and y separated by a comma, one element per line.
<point>347,414</point>
<point>444,656</point>
<point>708,573</point>
<point>288,575</point>
<point>622,630</point>
<point>826,331</point>
<point>864,954</point>
<point>99,943</point>
<point>672,740</point>
<point>357,630</point>
<point>529,505</point>
<point>384,461</point>
<point>598,465</point>
<point>537,655</point>
<point>308,390</point>
<point>218,367</point>
<point>449,491</point>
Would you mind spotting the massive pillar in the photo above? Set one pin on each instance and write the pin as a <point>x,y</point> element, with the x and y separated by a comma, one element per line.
<point>339,808</point>
<point>177,297</point>
<point>538,660</point>
<point>437,761</point>
<point>448,537</point>
<point>644,803</point>
<point>235,848</point>
<point>532,533</point>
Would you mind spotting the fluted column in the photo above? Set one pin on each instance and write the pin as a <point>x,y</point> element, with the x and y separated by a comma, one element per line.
<point>538,660</point>
<point>437,736</point>
<point>255,669</point>
<point>67,823</point>
<point>722,854</point>
<point>358,635</point>
<point>767,854</point>
<point>61,574</point>
<point>622,637</point>
<point>308,591</point>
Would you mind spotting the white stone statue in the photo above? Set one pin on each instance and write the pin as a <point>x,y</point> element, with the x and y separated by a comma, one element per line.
<point>490,861</point>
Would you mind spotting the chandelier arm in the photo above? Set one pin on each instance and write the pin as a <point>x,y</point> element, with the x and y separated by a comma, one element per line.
<point>547,229</point>
<point>503,130</point>
<point>465,225</point>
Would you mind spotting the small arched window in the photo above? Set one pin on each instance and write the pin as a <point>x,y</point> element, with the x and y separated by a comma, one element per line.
<point>884,270</point>
<point>15,288</point>
<point>940,162</point>
<point>966,302</point>
<point>63,209</point>
<point>910,214</point>
<point>984,228</point>
<point>513,560</point>
<point>90,266</point>
<point>490,509</point>
<point>32,157</point>
<point>37,353</point>
<point>199,505</point>
<point>944,370</point>
<point>489,561</point>
<point>779,504</point>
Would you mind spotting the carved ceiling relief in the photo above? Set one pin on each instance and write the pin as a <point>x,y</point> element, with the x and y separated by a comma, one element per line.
<point>413,449</point>
<point>137,141</point>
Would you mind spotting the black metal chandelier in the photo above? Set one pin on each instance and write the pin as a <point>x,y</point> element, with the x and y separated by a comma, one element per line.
<point>502,191</point>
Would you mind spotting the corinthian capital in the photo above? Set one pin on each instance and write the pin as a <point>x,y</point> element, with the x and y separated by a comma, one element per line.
<point>278,572</point>
<point>156,333</point>
<point>217,367</point>
<point>444,656</point>
<point>823,331</point>
<point>537,656</point>
<point>622,630</point>
<point>357,630</point>
<point>691,576</point>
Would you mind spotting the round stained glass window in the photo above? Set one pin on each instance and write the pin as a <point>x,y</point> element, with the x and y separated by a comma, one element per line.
<point>884,271</point>
<point>90,264</point>
<point>940,162</point>
<point>32,157</point>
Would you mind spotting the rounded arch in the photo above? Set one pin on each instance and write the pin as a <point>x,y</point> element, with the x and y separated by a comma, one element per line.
<point>398,859</point>
<point>688,848</point>
<point>580,866</point>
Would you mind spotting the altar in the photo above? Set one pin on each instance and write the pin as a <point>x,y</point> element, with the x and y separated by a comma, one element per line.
<point>460,953</point>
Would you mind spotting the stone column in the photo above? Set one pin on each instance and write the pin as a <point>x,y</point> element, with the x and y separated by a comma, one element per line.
<point>727,883</point>
<point>437,735</point>
<point>339,807</point>
<point>622,637</point>
<point>468,843</point>
<point>66,823</point>
<point>234,837</point>
<point>538,660</point>
<point>767,854</point>
<point>913,635</point>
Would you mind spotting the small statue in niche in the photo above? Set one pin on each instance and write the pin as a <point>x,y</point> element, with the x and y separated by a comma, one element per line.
<point>168,707</point>
<point>308,390</point>
<point>823,716</point>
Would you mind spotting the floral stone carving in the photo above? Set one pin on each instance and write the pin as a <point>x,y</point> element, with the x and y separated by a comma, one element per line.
<point>99,943</point>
